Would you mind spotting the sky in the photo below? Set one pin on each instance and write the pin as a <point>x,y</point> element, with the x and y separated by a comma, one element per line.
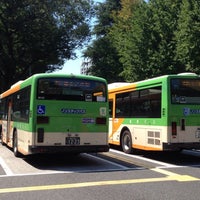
<point>74,66</point>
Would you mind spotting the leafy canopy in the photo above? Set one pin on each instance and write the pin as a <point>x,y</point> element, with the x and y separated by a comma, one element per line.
<point>101,56</point>
<point>37,36</point>
<point>149,38</point>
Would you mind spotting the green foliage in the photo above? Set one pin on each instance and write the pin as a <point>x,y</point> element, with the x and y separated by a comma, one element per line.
<point>36,36</point>
<point>101,56</point>
<point>130,37</point>
<point>155,37</point>
<point>188,36</point>
<point>103,60</point>
<point>163,26</point>
<point>148,45</point>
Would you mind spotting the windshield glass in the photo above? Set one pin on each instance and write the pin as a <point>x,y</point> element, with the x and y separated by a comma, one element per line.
<point>71,89</point>
<point>185,91</point>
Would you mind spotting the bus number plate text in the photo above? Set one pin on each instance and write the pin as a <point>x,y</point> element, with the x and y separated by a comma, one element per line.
<point>197,133</point>
<point>73,141</point>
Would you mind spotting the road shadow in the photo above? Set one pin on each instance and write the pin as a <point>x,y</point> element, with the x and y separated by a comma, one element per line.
<point>70,162</point>
<point>181,158</point>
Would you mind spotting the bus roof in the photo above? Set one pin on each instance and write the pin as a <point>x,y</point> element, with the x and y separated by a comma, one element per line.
<point>48,75</point>
<point>125,86</point>
<point>117,85</point>
<point>21,84</point>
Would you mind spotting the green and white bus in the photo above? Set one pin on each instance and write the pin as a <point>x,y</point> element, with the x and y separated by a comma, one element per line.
<point>55,113</point>
<point>158,114</point>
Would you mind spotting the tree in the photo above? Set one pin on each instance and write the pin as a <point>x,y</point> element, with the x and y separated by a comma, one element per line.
<point>128,35</point>
<point>148,38</point>
<point>36,36</point>
<point>101,55</point>
<point>144,38</point>
<point>165,21</point>
<point>188,36</point>
<point>102,60</point>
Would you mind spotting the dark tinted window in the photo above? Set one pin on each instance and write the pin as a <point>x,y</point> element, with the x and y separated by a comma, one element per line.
<point>143,103</point>
<point>71,89</point>
<point>20,105</point>
<point>185,91</point>
<point>3,109</point>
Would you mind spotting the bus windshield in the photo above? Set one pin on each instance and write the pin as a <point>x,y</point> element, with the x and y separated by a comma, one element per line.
<point>71,89</point>
<point>185,91</point>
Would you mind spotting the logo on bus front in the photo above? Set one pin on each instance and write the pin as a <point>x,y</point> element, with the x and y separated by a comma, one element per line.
<point>189,111</point>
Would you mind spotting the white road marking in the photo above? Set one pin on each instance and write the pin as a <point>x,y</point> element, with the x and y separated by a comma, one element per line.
<point>163,164</point>
<point>113,163</point>
<point>9,172</point>
<point>5,167</point>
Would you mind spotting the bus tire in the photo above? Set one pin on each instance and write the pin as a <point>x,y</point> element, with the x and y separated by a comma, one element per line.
<point>1,138</point>
<point>126,142</point>
<point>15,145</point>
<point>2,143</point>
<point>1,133</point>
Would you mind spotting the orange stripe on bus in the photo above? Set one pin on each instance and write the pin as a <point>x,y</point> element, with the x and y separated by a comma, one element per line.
<point>126,88</point>
<point>10,91</point>
<point>117,123</point>
<point>146,148</point>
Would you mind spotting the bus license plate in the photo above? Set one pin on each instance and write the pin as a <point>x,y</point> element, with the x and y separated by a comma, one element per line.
<point>73,141</point>
<point>197,134</point>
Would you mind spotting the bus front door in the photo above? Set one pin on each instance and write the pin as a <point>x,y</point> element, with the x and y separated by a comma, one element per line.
<point>8,126</point>
<point>110,137</point>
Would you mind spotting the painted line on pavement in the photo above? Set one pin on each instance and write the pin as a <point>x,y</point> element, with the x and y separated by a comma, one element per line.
<point>5,167</point>
<point>144,159</point>
<point>170,177</point>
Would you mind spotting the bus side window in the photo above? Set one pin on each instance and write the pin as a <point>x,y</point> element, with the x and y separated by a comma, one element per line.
<point>21,102</point>
<point>123,105</point>
<point>151,102</point>
<point>3,109</point>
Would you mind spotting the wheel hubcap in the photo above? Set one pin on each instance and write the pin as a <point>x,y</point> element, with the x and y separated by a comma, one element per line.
<point>126,143</point>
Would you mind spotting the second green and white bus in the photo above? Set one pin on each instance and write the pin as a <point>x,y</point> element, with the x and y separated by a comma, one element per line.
<point>158,114</point>
<point>55,113</point>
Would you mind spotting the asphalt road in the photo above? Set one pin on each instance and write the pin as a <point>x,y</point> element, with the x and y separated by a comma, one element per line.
<point>105,176</point>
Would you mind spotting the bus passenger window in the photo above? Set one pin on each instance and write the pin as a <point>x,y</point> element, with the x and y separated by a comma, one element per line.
<point>140,103</point>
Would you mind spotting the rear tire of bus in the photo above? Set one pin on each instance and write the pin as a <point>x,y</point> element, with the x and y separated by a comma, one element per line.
<point>126,142</point>
<point>1,136</point>
<point>15,145</point>
<point>1,133</point>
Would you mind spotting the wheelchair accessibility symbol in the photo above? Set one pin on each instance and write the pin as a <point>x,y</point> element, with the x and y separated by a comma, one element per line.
<point>41,109</point>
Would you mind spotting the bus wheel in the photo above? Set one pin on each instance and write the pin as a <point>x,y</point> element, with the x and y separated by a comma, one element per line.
<point>126,142</point>
<point>1,136</point>
<point>3,143</point>
<point>15,145</point>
